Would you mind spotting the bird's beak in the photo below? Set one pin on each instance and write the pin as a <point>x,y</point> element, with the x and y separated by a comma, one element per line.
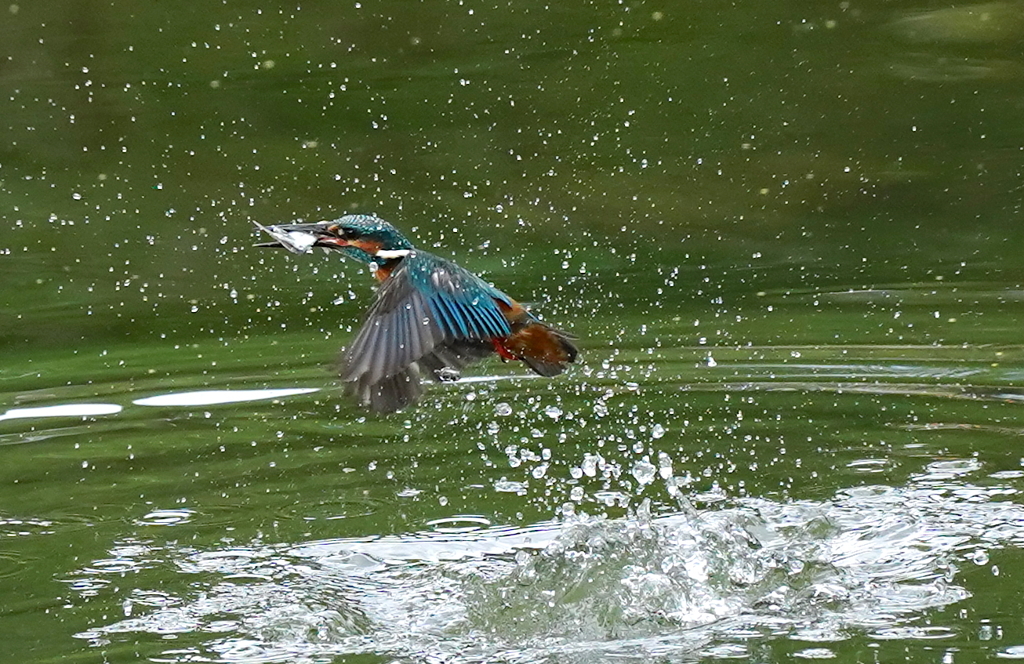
<point>300,238</point>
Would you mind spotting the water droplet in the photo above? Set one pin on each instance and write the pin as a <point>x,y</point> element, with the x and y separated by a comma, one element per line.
<point>664,465</point>
<point>644,472</point>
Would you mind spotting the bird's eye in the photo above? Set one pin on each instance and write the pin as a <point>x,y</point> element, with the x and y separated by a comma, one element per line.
<point>349,233</point>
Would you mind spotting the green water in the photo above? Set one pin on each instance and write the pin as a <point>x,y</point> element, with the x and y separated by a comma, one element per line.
<point>787,237</point>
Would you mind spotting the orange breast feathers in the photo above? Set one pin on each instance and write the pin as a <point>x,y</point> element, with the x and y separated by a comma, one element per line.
<point>531,338</point>
<point>539,342</point>
<point>382,272</point>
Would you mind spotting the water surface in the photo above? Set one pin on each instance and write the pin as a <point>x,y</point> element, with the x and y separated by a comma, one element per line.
<point>786,237</point>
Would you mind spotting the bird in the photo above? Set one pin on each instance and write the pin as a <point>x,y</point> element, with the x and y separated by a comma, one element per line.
<point>431,317</point>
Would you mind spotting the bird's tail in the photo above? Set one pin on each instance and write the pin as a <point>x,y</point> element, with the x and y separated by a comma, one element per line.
<point>543,348</point>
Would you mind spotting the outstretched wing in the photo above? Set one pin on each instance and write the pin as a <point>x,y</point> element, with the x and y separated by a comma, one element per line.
<point>430,316</point>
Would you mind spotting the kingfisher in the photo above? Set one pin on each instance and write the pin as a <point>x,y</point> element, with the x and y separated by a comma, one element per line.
<point>430,317</point>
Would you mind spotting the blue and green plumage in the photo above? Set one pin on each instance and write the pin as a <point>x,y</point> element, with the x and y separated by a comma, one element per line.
<point>430,316</point>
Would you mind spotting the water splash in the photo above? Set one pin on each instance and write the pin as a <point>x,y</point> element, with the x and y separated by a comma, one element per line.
<point>693,583</point>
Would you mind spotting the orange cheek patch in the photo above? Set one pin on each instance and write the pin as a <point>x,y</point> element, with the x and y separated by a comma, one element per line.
<point>369,246</point>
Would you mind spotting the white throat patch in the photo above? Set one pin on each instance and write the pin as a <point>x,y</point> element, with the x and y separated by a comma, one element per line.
<point>393,253</point>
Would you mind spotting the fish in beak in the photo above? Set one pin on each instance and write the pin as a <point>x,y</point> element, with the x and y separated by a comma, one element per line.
<point>299,238</point>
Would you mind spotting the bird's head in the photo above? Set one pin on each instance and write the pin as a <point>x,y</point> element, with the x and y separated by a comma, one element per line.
<point>359,236</point>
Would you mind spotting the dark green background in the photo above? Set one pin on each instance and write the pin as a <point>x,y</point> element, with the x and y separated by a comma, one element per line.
<point>824,199</point>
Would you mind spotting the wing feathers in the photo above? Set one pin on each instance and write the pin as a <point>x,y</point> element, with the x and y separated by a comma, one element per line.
<point>416,316</point>
<point>466,320</point>
<point>430,315</point>
<point>447,320</point>
<point>496,320</point>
